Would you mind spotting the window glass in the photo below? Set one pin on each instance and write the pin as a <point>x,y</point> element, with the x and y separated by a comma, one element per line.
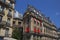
<point>19,23</point>
<point>0,8</point>
<point>7,32</point>
<point>13,22</point>
<point>8,20</point>
<point>9,12</point>
<point>38,23</point>
<point>0,18</point>
<point>34,22</point>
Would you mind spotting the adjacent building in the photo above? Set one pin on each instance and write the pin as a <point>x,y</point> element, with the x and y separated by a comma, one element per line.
<point>58,32</point>
<point>17,19</point>
<point>6,17</point>
<point>37,26</point>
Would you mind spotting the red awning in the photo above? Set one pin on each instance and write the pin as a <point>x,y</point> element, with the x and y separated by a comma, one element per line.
<point>38,30</point>
<point>27,29</point>
<point>35,29</point>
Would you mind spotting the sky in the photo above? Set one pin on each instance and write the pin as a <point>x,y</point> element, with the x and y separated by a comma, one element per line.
<point>50,8</point>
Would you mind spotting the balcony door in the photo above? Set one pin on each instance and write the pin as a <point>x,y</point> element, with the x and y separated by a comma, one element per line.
<point>7,32</point>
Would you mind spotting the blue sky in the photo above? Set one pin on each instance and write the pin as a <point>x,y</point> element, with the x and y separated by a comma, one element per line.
<point>51,8</point>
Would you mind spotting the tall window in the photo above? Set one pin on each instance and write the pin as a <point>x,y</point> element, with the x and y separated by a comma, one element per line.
<point>9,12</point>
<point>8,20</point>
<point>19,23</point>
<point>34,22</point>
<point>27,21</point>
<point>0,8</point>
<point>0,18</point>
<point>13,22</point>
<point>38,23</point>
<point>7,32</point>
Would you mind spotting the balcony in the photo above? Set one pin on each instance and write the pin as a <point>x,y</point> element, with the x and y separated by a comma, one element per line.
<point>1,12</point>
<point>55,35</point>
<point>9,14</point>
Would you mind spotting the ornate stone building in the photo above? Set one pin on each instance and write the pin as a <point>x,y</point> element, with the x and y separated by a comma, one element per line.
<point>36,26</point>
<point>6,17</point>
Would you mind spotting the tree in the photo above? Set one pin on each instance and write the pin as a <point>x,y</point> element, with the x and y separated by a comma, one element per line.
<point>17,33</point>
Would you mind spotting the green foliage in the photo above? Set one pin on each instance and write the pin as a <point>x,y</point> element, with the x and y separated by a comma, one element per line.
<point>17,34</point>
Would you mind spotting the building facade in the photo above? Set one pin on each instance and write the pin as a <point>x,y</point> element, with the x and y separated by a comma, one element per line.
<point>58,32</point>
<point>6,17</point>
<point>36,26</point>
<point>17,19</point>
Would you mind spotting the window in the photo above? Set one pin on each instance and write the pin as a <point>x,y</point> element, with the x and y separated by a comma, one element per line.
<point>27,21</point>
<point>38,23</point>
<point>7,32</point>
<point>0,18</point>
<point>19,23</point>
<point>13,22</point>
<point>8,20</point>
<point>34,22</point>
<point>1,8</point>
<point>10,11</point>
<point>27,29</point>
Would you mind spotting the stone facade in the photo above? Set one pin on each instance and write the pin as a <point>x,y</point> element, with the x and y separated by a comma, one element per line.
<point>6,17</point>
<point>37,26</point>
